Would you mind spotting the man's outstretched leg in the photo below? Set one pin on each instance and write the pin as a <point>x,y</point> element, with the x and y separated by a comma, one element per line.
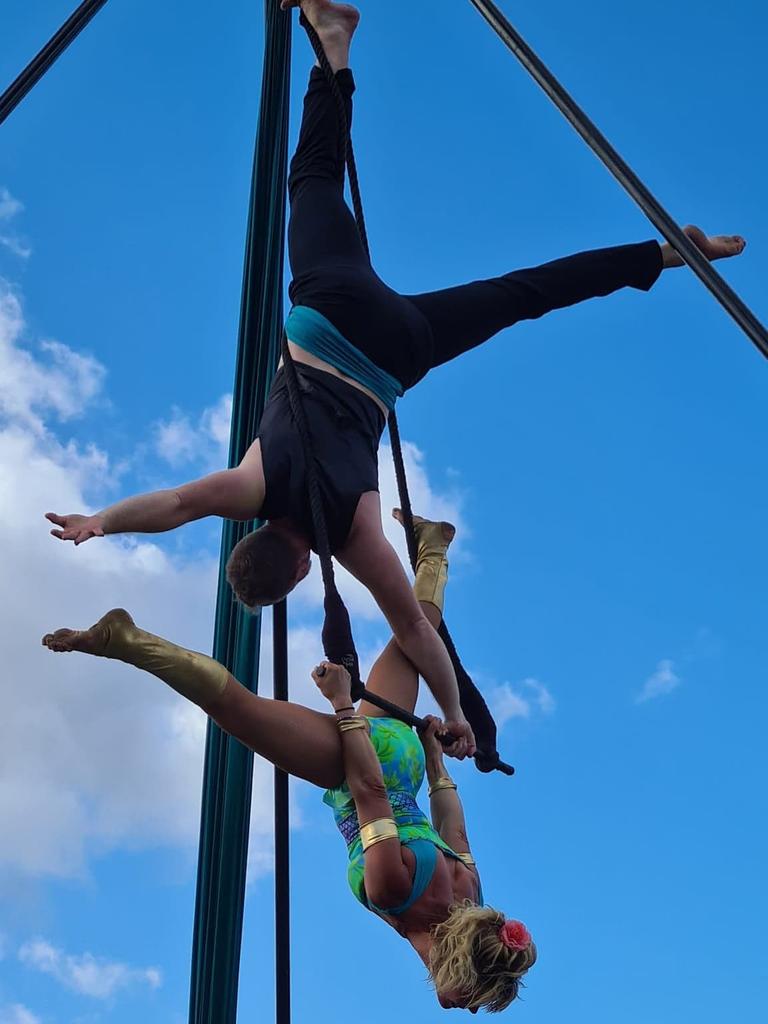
<point>464,317</point>
<point>322,231</point>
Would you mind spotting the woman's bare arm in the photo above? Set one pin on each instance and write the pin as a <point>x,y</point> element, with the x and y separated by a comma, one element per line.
<point>445,806</point>
<point>387,879</point>
<point>231,493</point>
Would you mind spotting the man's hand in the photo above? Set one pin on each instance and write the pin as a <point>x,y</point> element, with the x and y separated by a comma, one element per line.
<point>76,528</point>
<point>335,684</point>
<point>464,739</point>
<point>430,740</point>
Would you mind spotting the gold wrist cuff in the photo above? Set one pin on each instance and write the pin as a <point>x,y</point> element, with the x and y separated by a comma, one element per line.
<point>377,831</point>
<point>443,783</point>
<point>351,723</point>
<point>468,859</point>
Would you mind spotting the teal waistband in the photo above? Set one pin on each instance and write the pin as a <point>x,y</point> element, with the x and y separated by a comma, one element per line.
<point>310,330</point>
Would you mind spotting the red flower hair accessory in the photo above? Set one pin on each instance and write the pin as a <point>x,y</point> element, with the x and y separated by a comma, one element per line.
<point>514,935</point>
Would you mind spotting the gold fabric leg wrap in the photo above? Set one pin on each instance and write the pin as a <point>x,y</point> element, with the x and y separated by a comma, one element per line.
<point>431,563</point>
<point>195,676</point>
<point>431,578</point>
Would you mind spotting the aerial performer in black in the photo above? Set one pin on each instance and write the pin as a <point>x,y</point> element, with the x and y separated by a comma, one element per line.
<point>358,346</point>
<point>417,875</point>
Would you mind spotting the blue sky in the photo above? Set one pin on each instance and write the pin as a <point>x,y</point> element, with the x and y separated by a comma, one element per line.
<point>606,467</point>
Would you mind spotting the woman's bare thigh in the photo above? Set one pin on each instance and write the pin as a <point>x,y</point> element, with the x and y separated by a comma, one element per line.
<point>302,742</point>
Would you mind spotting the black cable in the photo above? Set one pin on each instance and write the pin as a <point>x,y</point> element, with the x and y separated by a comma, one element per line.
<point>402,490</point>
<point>626,177</point>
<point>282,835</point>
<point>52,50</point>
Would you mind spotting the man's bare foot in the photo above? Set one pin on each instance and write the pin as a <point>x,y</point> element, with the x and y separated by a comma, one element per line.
<point>334,23</point>
<point>111,637</point>
<point>428,531</point>
<point>714,247</point>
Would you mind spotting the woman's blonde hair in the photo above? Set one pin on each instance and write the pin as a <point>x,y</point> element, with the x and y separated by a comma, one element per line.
<point>468,956</point>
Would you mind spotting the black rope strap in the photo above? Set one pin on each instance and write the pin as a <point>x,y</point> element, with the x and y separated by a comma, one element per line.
<point>338,641</point>
<point>472,701</point>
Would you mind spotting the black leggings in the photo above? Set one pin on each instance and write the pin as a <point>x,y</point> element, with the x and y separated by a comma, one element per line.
<point>407,335</point>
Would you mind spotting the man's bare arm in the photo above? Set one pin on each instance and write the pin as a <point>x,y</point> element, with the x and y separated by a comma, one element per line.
<point>370,557</point>
<point>231,493</point>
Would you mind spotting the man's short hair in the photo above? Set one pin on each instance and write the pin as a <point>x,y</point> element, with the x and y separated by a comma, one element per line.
<point>262,568</point>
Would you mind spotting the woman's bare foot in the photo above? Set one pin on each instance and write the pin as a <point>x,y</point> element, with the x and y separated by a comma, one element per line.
<point>428,532</point>
<point>111,637</point>
<point>195,676</point>
<point>334,23</point>
<point>714,247</point>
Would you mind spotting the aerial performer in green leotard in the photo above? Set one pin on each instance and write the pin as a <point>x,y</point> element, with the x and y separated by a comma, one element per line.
<point>358,346</point>
<point>417,875</point>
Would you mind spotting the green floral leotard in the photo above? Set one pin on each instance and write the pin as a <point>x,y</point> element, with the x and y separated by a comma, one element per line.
<point>403,765</point>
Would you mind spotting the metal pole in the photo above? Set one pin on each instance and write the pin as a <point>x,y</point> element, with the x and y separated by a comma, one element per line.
<point>52,50</point>
<point>282,840</point>
<point>624,174</point>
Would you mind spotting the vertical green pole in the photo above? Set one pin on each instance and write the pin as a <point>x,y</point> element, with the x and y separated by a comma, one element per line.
<point>228,765</point>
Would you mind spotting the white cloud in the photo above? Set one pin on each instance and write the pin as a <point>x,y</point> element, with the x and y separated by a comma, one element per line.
<point>16,246</point>
<point>216,422</point>
<point>541,698</point>
<point>62,383</point>
<point>664,680</point>
<point>18,1014</point>
<point>86,974</point>
<point>521,701</point>
<point>178,441</point>
<point>10,207</point>
<point>93,755</point>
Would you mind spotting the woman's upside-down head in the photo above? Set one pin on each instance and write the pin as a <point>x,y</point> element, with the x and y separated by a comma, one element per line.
<point>478,958</point>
